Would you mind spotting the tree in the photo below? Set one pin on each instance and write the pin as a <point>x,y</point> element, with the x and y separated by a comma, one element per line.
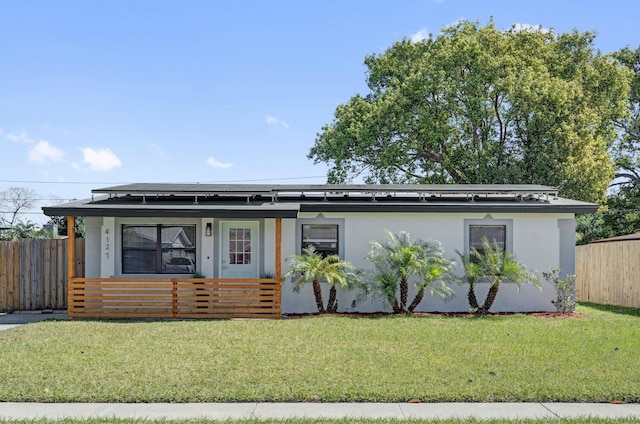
<point>401,260</point>
<point>621,216</point>
<point>24,230</point>
<point>312,267</point>
<point>479,105</point>
<point>13,202</point>
<point>496,264</point>
<point>61,222</point>
<point>627,150</point>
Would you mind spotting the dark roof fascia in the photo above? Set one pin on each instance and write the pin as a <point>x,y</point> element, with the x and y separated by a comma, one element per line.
<point>451,208</point>
<point>171,213</point>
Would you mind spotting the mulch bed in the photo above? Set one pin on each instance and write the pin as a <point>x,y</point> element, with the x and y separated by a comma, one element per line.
<point>548,315</point>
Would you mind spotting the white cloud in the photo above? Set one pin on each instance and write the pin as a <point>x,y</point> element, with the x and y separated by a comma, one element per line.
<point>21,138</point>
<point>43,152</point>
<point>272,120</point>
<point>420,36</point>
<point>100,160</point>
<point>529,27</point>
<point>215,163</point>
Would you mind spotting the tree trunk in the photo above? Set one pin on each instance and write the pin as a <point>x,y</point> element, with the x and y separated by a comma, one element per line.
<point>317,292</point>
<point>394,304</point>
<point>473,300</point>
<point>416,300</point>
<point>404,294</point>
<point>332,303</point>
<point>491,296</point>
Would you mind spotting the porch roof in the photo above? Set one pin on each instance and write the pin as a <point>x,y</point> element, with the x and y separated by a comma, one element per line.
<point>286,201</point>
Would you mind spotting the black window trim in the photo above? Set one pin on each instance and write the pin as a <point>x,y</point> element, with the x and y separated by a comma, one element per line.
<point>158,248</point>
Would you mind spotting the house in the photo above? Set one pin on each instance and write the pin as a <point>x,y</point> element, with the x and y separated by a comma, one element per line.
<point>144,242</point>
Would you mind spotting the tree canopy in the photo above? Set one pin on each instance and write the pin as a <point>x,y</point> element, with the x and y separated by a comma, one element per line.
<point>480,105</point>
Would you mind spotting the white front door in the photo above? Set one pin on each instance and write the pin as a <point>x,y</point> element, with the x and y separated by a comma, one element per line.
<point>239,250</point>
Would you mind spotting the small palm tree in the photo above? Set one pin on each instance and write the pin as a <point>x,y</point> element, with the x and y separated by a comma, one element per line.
<point>498,265</point>
<point>312,267</point>
<point>402,259</point>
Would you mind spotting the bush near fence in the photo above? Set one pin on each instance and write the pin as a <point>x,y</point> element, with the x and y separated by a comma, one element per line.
<point>609,273</point>
<point>33,273</point>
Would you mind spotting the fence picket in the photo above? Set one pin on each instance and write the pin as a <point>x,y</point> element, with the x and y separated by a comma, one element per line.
<point>608,273</point>
<point>33,273</point>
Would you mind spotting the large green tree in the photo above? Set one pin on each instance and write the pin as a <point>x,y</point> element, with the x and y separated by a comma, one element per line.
<point>480,105</point>
<point>627,149</point>
<point>622,212</point>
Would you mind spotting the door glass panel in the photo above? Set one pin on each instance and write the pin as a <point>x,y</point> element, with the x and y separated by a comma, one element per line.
<point>239,246</point>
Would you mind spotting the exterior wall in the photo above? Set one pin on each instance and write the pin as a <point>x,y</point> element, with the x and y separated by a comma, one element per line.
<point>541,241</point>
<point>92,258</point>
<point>104,245</point>
<point>535,239</point>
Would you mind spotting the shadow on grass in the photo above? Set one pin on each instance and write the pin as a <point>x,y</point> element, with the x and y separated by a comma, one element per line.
<point>635,312</point>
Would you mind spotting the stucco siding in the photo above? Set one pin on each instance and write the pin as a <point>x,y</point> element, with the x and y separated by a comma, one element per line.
<point>535,241</point>
<point>541,241</point>
<point>92,258</point>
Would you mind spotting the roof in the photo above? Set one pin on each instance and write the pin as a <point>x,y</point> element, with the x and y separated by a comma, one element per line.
<point>628,237</point>
<point>286,201</point>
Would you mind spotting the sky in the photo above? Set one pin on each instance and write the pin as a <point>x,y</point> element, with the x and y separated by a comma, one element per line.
<point>95,93</point>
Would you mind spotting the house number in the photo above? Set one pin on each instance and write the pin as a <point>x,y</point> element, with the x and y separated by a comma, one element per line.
<point>106,243</point>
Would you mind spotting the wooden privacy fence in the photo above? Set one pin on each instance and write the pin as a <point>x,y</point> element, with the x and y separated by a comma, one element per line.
<point>33,273</point>
<point>609,273</point>
<point>174,298</point>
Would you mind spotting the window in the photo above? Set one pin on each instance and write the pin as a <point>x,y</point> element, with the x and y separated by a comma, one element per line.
<point>494,233</point>
<point>324,237</point>
<point>240,246</point>
<point>158,249</point>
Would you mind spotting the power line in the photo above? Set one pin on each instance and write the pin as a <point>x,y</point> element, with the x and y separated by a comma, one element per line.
<point>192,182</point>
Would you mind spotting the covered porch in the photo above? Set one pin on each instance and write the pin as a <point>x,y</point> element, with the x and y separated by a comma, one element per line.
<point>209,298</point>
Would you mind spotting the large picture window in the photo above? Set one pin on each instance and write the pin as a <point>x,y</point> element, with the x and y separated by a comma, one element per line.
<point>158,249</point>
<point>324,237</point>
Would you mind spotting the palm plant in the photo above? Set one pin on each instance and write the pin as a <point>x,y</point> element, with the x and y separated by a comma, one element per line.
<point>401,260</point>
<point>496,264</point>
<point>312,267</point>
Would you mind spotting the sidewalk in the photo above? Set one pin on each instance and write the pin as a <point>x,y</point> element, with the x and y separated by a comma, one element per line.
<point>225,411</point>
<point>17,318</point>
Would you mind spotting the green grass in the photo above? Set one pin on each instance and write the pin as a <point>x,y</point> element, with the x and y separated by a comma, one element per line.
<point>329,358</point>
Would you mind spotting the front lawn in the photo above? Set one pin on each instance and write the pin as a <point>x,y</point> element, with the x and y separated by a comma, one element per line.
<point>328,358</point>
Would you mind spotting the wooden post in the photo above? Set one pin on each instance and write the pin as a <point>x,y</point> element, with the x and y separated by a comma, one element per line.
<point>71,263</point>
<point>279,248</point>
<point>174,298</point>
<point>278,311</point>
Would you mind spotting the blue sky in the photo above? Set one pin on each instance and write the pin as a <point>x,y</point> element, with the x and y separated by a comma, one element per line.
<point>100,92</point>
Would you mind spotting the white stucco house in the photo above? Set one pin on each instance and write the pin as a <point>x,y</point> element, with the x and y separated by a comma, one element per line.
<point>144,242</point>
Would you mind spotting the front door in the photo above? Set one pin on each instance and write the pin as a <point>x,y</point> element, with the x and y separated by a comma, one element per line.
<point>239,250</point>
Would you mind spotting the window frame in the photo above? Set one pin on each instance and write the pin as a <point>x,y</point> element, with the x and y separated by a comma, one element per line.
<point>320,220</point>
<point>189,252</point>
<point>322,251</point>
<point>489,221</point>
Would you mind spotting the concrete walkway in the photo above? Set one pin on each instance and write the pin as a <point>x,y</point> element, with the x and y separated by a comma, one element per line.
<point>225,411</point>
<point>15,319</point>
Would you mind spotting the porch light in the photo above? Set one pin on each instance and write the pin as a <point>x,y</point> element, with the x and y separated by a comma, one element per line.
<point>207,231</point>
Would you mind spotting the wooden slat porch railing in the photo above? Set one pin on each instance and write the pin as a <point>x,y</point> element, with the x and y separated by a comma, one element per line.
<point>174,298</point>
